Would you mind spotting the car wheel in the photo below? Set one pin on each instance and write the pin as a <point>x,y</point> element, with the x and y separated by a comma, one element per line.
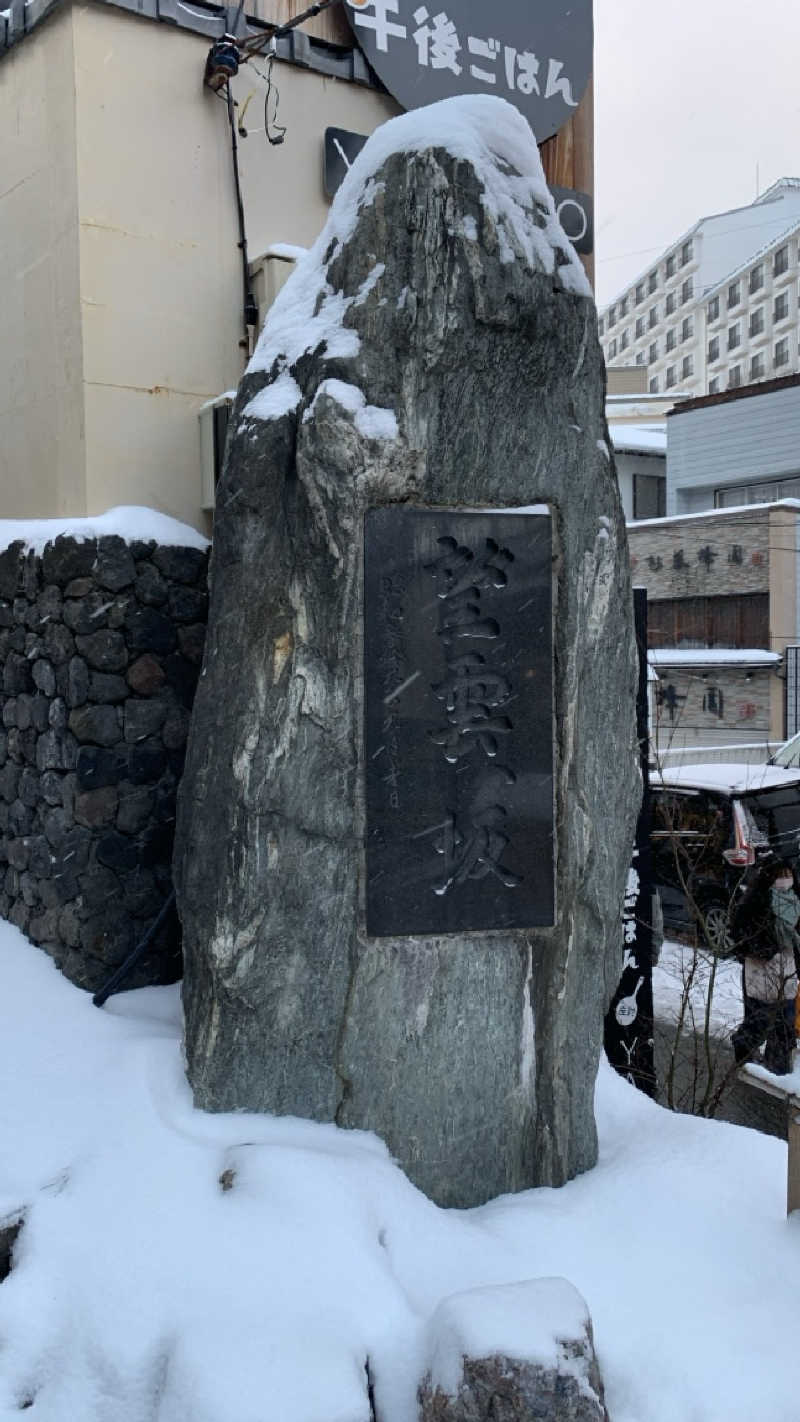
<point>715,926</point>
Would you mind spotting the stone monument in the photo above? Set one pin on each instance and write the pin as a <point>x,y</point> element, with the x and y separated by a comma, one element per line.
<point>411,783</point>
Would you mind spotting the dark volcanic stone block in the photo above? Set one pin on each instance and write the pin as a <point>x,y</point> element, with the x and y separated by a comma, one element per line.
<point>181,565</point>
<point>146,762</point>
<point>96,767</point>
<point>143,718</point>
<point>148,630</point>
<point>114,567</point>
<point>151,588</point>
<point>117,851</point>
<point>96,725</point>
<point>105,651</point>
<point>11,570</point>
<point>146,675</point>
<point>67,558</point>
<point>107,686</point>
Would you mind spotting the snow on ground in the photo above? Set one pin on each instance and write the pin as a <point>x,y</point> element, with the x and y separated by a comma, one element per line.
<point>143,1290</point>
<point>681,981</point>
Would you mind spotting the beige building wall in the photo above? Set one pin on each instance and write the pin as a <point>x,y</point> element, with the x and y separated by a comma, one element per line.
<point>121,222</point>
<point>41,405</point>
<point>784,550</point>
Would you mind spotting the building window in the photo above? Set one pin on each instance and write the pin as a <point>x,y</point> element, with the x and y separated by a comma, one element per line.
<point>612,316</point>
<point>640,358</point>
<point>782,352</point>
<point>713,309</point>
<point>652,282</point>
<point>600,326</point>
<point>671,339</point>
<point>713,350</point>
<point>639,327</point>
<point>687,367</point>
<point>670,303</point>
<point>649,496</point>
<point>687,328</point>
<point>623,340</point>
<point>713,386</point>
<point>780,262</point>
<point>640,293</point>
<point>734,336</point>
<point>736,495</point>
<point>734,294</point>
<point>652,354</point>
<point>623,307</point>
<point>654,385</point>
<point>687,290</point>
<point>757,321</point>
<point>734,377</point>
<point>670,376</point>
<point>612,349</point>
<point>781,307</point>
<point>757,366</point>
<point>652,317</point>
<point>670,267</point>
<point>757,278</point>
<point>686,253</point>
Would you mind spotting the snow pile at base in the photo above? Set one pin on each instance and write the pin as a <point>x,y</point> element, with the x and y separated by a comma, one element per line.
<point>131,522</point>
<point>485,131</point>
<point>179,1267</point>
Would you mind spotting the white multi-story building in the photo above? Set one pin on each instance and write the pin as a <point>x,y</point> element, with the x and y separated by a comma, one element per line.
<point>719,308</point>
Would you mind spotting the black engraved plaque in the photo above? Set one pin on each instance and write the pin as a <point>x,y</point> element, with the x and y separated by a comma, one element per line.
<point>458,721</point>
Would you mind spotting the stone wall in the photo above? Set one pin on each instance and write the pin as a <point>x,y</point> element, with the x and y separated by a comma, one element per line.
<point>710,556</point>
<point>100,649</point>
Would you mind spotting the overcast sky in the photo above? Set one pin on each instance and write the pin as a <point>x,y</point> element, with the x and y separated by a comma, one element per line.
<point>690,95</point>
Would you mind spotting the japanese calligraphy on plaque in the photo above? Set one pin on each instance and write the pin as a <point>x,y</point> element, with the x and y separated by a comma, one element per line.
<point>458,721</point>
<point>539,57</point>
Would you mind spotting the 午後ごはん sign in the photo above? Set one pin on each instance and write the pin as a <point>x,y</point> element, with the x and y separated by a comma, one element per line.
<point>538,56</point>
<point>458,721</point>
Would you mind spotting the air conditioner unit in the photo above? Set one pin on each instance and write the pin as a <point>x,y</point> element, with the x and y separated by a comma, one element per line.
<point>269,272</point>
<point>214,417</point>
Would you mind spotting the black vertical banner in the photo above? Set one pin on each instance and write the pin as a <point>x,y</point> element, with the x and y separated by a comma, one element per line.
<point>629,1020</point>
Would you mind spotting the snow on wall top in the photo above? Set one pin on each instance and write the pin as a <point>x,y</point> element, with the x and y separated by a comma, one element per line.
<point>487,132</point>
<point>130,522</point>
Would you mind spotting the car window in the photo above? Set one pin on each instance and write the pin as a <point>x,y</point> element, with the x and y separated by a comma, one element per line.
<point>789,755</point>
<point>776,815</point>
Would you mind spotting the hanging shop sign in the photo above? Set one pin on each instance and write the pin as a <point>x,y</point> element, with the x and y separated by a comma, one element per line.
<point>538,56</point>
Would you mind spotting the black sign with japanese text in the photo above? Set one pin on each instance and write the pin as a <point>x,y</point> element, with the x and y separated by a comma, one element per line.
<point>539,57</point>
<point>458,721</point>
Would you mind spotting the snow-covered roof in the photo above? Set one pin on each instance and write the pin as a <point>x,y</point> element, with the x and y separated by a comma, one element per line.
<point>735,777</point>
<point>639,439</point>
<point>131,522</point>
<point>730,241</point>
<point>716,513</point>
<point>712,657</point>
<point>782,236</point>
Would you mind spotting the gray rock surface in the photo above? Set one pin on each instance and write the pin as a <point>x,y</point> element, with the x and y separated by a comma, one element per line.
<point>474,1057</point>
<point>558,1381</point>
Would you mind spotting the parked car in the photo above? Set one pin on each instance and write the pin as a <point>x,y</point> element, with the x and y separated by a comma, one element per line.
<point>788,756</point>
<point>715,828</point>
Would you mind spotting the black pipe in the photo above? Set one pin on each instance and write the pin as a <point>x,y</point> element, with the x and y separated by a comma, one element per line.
<point>249,308</point>
<point>132,959</point>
